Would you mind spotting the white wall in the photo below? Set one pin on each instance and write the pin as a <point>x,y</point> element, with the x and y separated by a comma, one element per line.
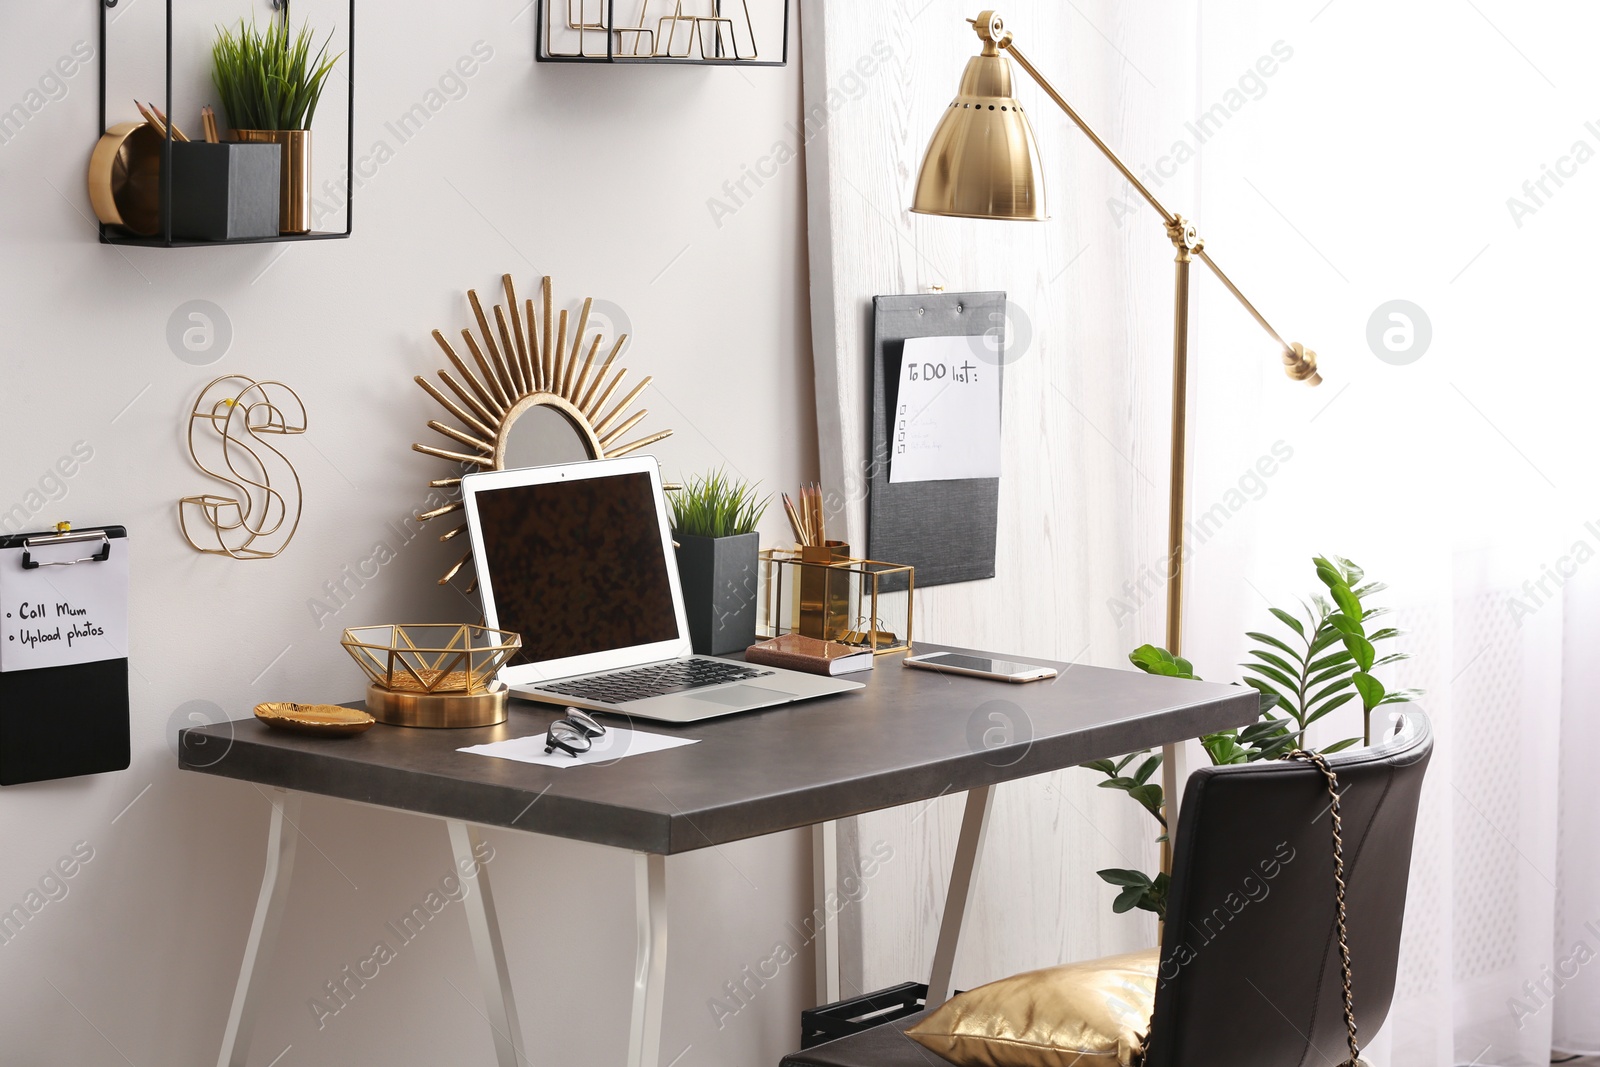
<point>598,177</point>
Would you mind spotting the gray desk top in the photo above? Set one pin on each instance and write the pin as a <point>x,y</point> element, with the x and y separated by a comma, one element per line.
<point>908,736</point>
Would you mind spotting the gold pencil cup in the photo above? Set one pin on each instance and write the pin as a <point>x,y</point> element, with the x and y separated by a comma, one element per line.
<point>294,179</point>
<point>824,591</point>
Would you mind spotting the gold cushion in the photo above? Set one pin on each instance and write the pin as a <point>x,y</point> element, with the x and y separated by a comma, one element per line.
<point>1089,1014</point>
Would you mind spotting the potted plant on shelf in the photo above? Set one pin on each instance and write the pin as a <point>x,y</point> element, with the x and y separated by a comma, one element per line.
<point>270,81</point>
<point>714,523</point>
<point>1321,660</point>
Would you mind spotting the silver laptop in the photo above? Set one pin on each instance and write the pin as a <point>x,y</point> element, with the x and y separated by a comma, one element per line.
<point>578,559</point>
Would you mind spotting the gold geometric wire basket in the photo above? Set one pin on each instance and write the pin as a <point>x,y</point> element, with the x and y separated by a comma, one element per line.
<point>433,674</point>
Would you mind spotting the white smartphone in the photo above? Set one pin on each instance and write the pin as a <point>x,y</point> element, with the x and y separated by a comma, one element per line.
<point>1002,670</point>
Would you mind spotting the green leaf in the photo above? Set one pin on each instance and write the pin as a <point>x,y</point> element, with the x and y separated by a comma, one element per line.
<point>1146,769</point>
<point>1384,634</point>
<point>1329,674</point>
<point>1328,691</point>
<point>1332,705</point>
<point>1348,604</point>
<point>1123,876</point>
<point>1277,749</point>
<point>1370,688</point>
<point>1268,672</point>
<point>1260,731</point>
<point>1352,573</point>
<point>1361,649</point>
<point>1340,746</point>
<point>1268,701</point>
<point>1266,690</point>
<point>1288,620</point>
<point>1155,660</point>
<point>1344,625</point>
<point>1268,639</point>
<point>1149,795</point>
<point>1104,766</point>
<point>1326,637</point>
<point>1393,657</point>
<point>1125,760</point>
<point>1117,783</point>
<point>1276,660</point>
<point>1401,696</point>
<point>1370,589</point>
<point>1223,748</point>
<point>1129,899</point>
<point>1340,655</point>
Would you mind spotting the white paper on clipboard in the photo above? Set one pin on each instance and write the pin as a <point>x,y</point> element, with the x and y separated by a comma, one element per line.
<point>947,413</point>
<point>57,616</point>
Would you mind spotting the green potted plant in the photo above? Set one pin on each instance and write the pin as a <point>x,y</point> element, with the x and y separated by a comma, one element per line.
<point>1321,659</point>
<point>714,522</point>
<point>270,81</point>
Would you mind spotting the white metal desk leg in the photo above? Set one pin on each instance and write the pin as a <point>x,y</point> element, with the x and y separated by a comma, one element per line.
<point>650,964</point>
<point>484,924</point>
<point>281,838</point>
<point>957,902</point>
<point>825,887</point>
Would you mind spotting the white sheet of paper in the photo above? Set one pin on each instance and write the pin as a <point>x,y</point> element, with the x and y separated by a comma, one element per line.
<point>618,743</point>
<point>947,412</point>
<point>56,616</point>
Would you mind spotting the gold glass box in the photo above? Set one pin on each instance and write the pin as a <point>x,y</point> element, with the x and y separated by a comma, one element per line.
<point>826,593</point>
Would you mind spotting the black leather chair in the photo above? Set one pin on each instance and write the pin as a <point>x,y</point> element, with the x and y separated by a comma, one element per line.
<point>1250,964</point>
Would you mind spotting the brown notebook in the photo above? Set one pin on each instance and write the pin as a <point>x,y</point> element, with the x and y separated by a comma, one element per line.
<point>797,653</point>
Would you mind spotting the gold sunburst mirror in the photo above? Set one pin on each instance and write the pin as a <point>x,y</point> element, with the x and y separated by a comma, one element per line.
<point>534,393</point>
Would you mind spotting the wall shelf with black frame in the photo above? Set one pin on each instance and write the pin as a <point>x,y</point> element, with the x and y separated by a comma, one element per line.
<point>115,235</point>
<point>626,44</point>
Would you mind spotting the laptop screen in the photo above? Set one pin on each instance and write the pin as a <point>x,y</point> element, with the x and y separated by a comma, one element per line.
<point>577,565</point>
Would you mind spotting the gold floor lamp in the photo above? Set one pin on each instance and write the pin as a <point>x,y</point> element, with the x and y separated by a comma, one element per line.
<point>982,163</point>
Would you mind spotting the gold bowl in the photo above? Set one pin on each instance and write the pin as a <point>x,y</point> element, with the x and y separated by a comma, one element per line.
<point>433,674</point>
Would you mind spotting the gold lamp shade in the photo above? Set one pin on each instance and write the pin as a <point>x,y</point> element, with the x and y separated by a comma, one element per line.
<point>982,162</point>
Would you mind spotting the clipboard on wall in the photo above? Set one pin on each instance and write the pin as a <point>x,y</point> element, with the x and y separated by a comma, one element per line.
<point>63,654</point>
<point>945,529</point>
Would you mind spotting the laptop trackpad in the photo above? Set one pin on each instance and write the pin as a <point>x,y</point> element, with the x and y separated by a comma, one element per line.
<point>740,695</point>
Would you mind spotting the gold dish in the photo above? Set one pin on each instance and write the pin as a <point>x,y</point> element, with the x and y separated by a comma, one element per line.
<point>125,178</point>
<point>314,718</point>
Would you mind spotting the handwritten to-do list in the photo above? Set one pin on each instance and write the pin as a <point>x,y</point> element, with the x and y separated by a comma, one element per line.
<point>947,412</point>
<point>56,616</point>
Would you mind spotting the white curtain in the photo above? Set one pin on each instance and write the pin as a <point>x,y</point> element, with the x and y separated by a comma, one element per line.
<point>1438,153</point>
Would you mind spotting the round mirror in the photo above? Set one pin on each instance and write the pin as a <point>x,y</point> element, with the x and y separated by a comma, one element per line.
<point>537,432</point>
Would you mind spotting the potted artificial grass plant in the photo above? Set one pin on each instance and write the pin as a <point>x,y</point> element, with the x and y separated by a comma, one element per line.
<point>714,523</point>
<point>270,82</point>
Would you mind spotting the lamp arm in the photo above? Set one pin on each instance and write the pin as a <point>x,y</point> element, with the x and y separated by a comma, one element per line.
<point>1105,149</point>
<point>1298,363</point>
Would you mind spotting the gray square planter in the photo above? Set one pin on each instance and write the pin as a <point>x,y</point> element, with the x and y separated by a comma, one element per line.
<point>718,575</point>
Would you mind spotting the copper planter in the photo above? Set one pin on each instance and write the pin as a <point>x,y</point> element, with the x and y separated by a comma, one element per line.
<point>294,191</point>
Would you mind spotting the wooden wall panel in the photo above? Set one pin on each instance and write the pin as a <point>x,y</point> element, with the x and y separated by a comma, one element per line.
<point>1082,500</point>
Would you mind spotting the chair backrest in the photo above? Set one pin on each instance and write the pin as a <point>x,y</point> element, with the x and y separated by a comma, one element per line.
<point>1250,972</point>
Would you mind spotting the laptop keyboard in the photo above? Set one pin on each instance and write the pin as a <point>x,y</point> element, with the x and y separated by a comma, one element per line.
<point>654,680</point>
